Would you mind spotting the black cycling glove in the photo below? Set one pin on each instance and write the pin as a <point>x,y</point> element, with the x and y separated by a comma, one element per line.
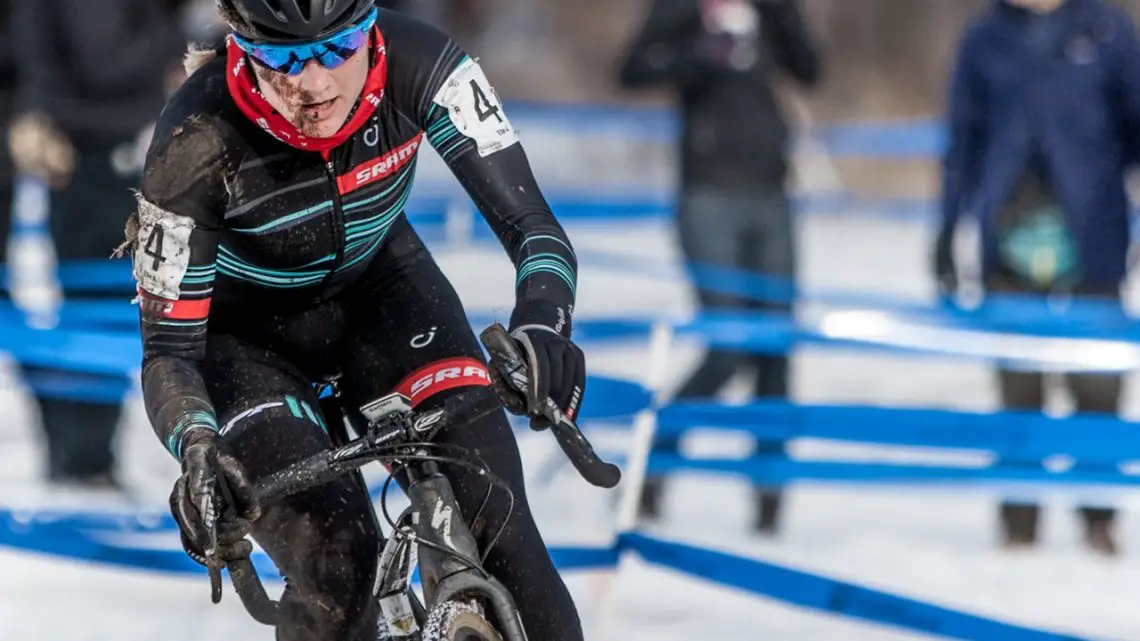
<point>556,370</point>
<point>196,502</point>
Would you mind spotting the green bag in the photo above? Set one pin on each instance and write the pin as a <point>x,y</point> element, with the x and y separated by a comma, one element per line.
<point>1039,248</point>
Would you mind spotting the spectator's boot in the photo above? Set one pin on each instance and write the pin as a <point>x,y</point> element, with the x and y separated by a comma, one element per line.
<point>768,503</point>
<point>1099,536</point>
<point>649,506</point>
<point>1019,525</point>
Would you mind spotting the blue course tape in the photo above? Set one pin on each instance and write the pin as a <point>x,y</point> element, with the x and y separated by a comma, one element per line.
<point>76,536</point>
<point>117,545</point>
<point>1013,313</point>
<point>113,357</point>
<point>882,139</point>
<point>1023,314</point>
<point>778,470</point>
<point>1020,313</point>
<point>829,595</point>
<point>76,387</point>
<point>87,352</point>
<point>773,333</point>
<point>1020,436</point>
<point>607,398</point>
<point>900,139</point>
<point>119,353</point>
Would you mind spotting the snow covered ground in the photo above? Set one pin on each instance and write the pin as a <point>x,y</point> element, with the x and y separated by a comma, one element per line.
<point>930,544</point>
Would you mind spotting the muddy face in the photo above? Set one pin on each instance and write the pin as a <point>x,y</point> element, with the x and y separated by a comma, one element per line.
<point>317,101</point>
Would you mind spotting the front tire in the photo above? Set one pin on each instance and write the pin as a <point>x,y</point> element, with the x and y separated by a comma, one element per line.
<point>458,621</point>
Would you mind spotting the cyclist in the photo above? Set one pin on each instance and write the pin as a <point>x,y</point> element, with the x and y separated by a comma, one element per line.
<point>271,249</point>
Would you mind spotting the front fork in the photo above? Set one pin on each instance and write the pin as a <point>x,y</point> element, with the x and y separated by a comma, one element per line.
<point>401,615</point>
<point>435,517</point>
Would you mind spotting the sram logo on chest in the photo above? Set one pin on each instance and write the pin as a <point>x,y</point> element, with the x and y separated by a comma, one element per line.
<point>379,168</point>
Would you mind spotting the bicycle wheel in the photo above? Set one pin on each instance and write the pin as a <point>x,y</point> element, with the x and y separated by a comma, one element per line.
<point>458,621</point>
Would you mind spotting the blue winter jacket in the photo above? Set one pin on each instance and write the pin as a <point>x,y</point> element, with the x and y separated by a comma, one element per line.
<point>1066,84</point>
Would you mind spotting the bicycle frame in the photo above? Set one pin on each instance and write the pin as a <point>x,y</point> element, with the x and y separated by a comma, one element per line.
<point>433,516</point>
<point>431,533</point>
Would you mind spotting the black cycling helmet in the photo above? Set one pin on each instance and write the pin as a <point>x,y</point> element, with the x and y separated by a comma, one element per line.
<point>289,21</point>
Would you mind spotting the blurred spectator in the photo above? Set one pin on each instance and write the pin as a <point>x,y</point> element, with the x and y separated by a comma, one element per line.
<point>1044,120</point>
<point>7,82</point>
<point>427,10</point>
<point>202,25</point>
<point>91,77</point>
<point>718,57</point>
<point>457,17</point>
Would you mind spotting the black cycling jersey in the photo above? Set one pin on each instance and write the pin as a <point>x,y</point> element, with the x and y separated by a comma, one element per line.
<point>400,327</point>
<point>235,223</point>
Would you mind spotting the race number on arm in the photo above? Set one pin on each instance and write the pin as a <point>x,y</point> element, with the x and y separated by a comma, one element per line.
<point>474,110</point>
<point>450,98</point>
<point>163,250</point>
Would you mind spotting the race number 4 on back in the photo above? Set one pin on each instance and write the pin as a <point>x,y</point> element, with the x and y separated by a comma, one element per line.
<point>475,108</point>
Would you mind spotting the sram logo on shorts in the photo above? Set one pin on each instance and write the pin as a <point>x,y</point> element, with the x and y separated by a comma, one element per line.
<point>379,168</point>
<point>443,375</point>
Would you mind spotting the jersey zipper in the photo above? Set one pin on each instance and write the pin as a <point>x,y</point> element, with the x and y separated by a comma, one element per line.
<point>337,223</point>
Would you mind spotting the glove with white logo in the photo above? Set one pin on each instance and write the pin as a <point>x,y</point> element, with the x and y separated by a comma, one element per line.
<point>196,500</point>
<point>556,369</point>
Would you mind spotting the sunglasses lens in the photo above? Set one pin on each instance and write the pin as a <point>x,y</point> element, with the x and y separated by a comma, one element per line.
<point>282,60</point>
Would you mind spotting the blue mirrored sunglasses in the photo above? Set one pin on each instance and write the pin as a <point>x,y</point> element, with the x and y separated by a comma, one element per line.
<point>330,52</point>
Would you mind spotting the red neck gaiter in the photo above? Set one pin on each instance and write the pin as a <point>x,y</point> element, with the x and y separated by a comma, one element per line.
<point>244,91</point>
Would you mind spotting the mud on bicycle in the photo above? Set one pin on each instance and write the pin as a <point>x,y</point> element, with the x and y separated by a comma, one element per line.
<point>462,601</point>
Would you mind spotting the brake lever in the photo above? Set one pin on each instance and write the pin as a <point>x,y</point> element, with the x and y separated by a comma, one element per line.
<point>226,510</point>
<point>573,443</point>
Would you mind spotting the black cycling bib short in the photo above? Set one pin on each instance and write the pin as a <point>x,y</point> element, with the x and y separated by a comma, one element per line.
<point>263,267</point>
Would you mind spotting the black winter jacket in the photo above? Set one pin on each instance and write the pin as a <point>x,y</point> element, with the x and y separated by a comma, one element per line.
<point>733,132</point>
<point>95,67</point>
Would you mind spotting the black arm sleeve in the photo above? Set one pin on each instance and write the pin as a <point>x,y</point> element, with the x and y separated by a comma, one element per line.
<point>110,47</point>
<point>664,50</point>
<point>182,198</point>
<point>38,63</point>
<point>791,43</point>
<point>463,119</point>
<point>116,43</point>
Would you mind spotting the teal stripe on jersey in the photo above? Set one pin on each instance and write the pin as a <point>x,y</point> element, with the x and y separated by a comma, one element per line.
<point>311,212</point>
<point>446,152</point>
<point>185,422</point>
<point>434,127</point>
<point>548,237</point>
<point>442,136</point>
<point>378,223</point>
<point>365,254</point>
<point>226,255</point>
<point>270,278</point>
<point>232,262</point>
<point>404,174</point>
<point>551,263</point>
<point>272,281</point>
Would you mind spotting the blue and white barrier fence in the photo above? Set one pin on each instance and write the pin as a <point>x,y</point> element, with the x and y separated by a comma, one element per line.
<point>885,139</point>
<point>128,543</point>
<point>98,343</point>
